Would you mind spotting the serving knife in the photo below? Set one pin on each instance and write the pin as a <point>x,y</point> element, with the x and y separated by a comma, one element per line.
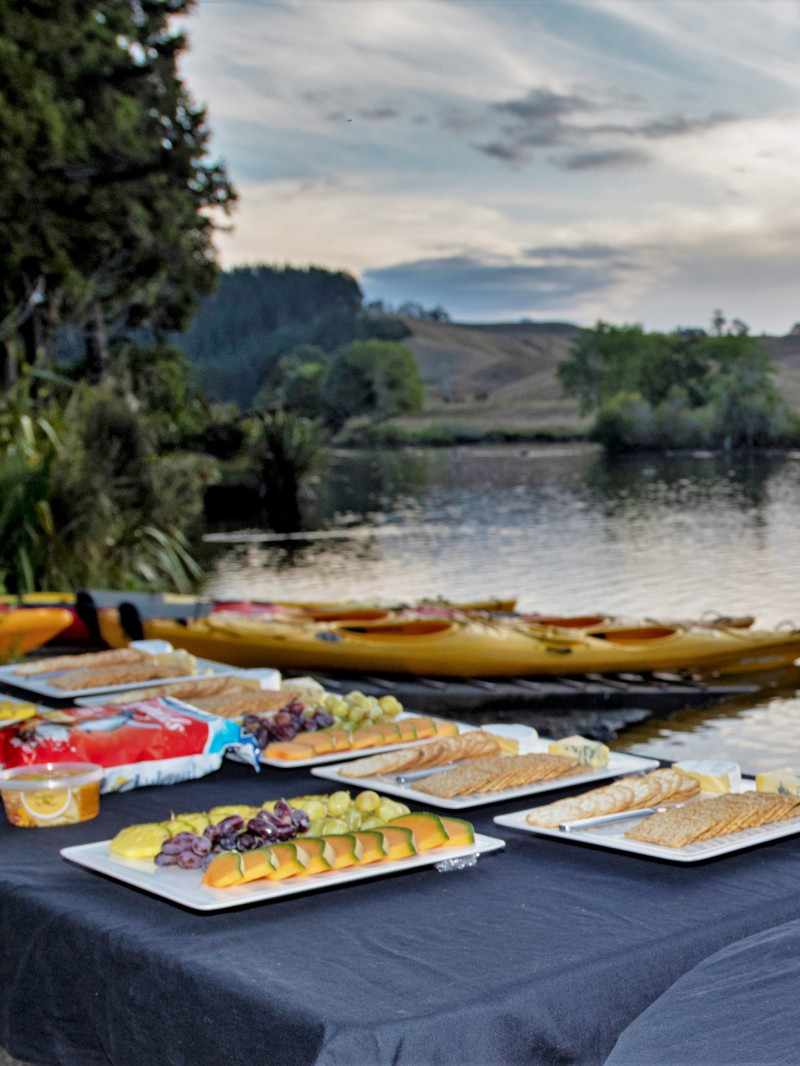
<point>403,779</point>
<point>620,816</point>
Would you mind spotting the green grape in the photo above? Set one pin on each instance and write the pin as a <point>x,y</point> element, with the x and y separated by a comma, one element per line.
<point>358,714</point>
<point>390,706</point>
<point>352,818</point>
<point>401,808</point>
<point>338,803</point>
<point>367,801</point>
<point>371,821</point>
<point>315,827</point>
<point>334,825</point>
<point>316,809</point>
<point>388,809</point>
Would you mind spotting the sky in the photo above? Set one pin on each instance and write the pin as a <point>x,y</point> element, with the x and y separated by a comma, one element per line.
<point>570,160</point>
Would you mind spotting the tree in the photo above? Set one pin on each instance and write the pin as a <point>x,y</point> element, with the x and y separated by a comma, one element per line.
<point>106,180</point>
<point>379,378</point>
<point>607,360</point>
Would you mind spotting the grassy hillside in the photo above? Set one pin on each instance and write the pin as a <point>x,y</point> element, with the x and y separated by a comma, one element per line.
<point>503,375</point>
<point>496,375</point>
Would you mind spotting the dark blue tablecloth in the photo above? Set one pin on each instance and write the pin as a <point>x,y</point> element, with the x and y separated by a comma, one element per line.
<point>541,953</point>
<point>740,1007</point>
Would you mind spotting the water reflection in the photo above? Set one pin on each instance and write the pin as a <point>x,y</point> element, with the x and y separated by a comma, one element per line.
<point>564,530</point>
<point>759,732</point>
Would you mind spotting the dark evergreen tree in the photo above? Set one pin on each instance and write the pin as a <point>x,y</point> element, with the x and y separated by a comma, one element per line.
<point>106,179</point>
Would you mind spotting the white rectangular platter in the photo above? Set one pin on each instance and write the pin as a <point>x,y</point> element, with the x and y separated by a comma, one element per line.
<point>40,686</point>
<point>186,888</point>
<point>612,836</point>
<point>355,753</point>
<point>618,764</point>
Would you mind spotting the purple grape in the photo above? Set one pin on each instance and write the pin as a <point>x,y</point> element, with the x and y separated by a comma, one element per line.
<point>247,841</point>
<point>184,838</point>
<point>286,832</point>
<point>283,718</point>
<point>295,707</point>
<point>232,824</point>
<point>300,819</point>
<point>323,719</point>
<point>212,834</point>
<point>309,725</point>
<point>187,860</point>
<point>166,859</point>
<point>207,860</point>
<point>282,813</point>
<point>228,842</point>
<point>173,846</point>
<point>201,846</point>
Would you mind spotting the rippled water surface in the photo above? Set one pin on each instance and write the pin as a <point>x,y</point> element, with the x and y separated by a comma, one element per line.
<point>565,531</point>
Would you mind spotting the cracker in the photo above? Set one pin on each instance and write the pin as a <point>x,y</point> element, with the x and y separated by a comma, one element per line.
<point>123,674</point>
<point>674,828</point>
<point>388,762</point>
<point>459,781</point>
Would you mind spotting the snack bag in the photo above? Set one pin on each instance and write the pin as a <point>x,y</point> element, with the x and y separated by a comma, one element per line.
<point>152,742</point>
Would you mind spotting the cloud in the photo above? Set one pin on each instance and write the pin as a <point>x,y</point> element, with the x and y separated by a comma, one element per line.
<point>543,105</point>
<point>466,285</point>
<point>610,159</point>
<point>579,251</point>
<point>545,118</point>
<point>507,153</point>
<point>681,125</point>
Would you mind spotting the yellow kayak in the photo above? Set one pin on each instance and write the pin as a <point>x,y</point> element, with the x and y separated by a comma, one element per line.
<point>455,647</point>
<point>26,628</point>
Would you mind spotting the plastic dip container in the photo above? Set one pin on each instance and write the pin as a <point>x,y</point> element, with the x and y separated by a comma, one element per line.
<point>51,794</point>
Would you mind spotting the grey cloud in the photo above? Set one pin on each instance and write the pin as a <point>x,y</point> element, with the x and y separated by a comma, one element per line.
<point>542,105</point>
<point>610,159</point>
<point>543,118</point>
<point>467,285</point>
<point>508,153</point>
<point>667,126</point>
<point>681,125</point>
<point>576,251</point>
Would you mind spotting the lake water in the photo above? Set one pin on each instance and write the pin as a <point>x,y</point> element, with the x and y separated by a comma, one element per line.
<point>565,531</point>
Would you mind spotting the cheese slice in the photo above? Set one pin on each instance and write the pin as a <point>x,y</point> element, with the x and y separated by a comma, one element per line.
<point>587,752</point>
<point>513,739</point>
<point>786,781</point>
<point>180,658</point>
<point>713,776</point>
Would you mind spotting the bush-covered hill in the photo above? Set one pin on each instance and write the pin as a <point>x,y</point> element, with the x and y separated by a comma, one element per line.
<point>477,377</point>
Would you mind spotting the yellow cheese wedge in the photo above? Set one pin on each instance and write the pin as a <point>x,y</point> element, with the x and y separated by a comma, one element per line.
<point>180,658</point>
<point>587,752</point>
<point>785,780</point>
<point>507,744</point>
<point>713,776</point>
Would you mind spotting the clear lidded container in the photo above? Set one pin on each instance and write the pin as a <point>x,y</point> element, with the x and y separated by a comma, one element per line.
<point>51,794</point>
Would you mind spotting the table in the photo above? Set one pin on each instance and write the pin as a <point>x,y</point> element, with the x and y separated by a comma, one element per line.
<point>541,953</point>
<point>738,1007</point>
